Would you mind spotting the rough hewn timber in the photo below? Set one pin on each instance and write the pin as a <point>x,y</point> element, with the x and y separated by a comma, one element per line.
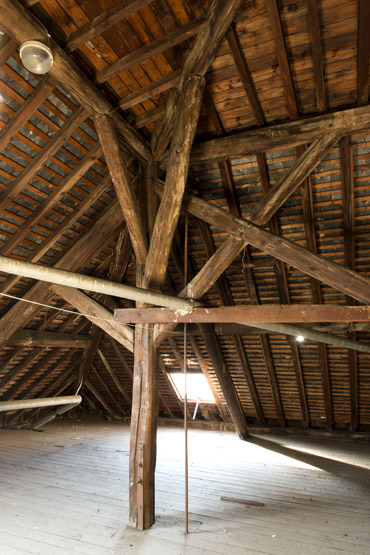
<point>97,314</point>
<point>122,185</point>
<point>170,206</point>
<point>104,21</point>
<point>219,18</point>
<point>283,135</point>
<point>20,25</point>
<point>149,50</point>
<point>50,339</point>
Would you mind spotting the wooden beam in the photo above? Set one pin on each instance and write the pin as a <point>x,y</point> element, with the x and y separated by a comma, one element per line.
<point>67,183</point>
<point>205,372</point>
<point>7,48</point>
<point>99,397</point>
<point>170,206</point>
<point>363,51</point>
<point>162,85</point>
<point>115,379</point>
<point>104,387</point>
<point>227,299</point>
<point>88,357</point>
<point>149,117</point>
<point>77,257</point>
<point>50,339</point>
<point>21,26</point>
<point>121,180</point>
<point>39,160</point>
<point>266,313</point>
<point>318,70</point>
<point>97,314</point>
<point>245,77</point>
<point>348,204</point>
<point>280,48</point>
<point>296,361</point>
<point>144,416</point>
<point>61,229</point>
<point>265,209</point>
<point>224,377</point>
<point>219,18</point>
<point>23,114</point>
<point>308,217</point>
<point>284,135</point>
<point>319,267</point>
<point>105,21</point>
<point>149,50</point>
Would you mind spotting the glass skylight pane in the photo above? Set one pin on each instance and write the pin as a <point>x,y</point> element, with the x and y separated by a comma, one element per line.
<point>198,387</point>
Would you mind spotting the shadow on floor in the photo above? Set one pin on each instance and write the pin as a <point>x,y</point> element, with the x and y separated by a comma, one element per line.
<point>351,472</point>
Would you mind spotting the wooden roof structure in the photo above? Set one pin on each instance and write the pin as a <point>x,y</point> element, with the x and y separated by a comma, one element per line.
<point>216,151</point>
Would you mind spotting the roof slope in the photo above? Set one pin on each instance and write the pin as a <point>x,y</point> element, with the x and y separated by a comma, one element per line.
<point>289,81</point>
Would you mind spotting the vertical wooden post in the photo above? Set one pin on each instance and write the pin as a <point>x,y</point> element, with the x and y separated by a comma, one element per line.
<point>144,419</point>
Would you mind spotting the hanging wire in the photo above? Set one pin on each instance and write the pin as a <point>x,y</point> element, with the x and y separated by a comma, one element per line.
<point>186,385</point>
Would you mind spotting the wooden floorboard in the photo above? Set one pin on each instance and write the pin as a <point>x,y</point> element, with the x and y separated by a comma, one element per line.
<point>65,490</point>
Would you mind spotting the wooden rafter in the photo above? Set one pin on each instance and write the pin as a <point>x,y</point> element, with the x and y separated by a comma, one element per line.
<point>277,32</point>
<point>348,196</point>
<point>105,21</point>
<point>234,207</point>
<point>78,256</point>
<point>50,339</point>
<point>39,94</point>
<point>314,26</point>
<point>245,77</point>
<point>283,292</point>
<point>96,314</point>
<point>151,90</point>
<point>363,50</point>
<point>39,160</point>
<point>219,18</point>
<point>170,206</point>
<point>149,50</point>
<point>124,190</point>
<point>22,26</point>
<point>283,135</point>
<point>269,204</point>
<point>319,267</point>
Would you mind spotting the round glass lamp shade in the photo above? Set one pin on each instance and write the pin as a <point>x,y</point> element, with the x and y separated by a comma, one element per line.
<point>36,56</point>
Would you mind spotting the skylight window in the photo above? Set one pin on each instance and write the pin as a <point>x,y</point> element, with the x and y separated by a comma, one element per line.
<point>198,388</point>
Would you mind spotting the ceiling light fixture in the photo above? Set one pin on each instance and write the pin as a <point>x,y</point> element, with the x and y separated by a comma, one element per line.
<point>36,56</point>
<point>300,338</point>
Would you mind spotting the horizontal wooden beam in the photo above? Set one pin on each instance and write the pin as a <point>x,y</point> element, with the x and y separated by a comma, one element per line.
<point>104,21</point>
<point>283,135</point>
<point>38,338</point>
<point>149,50</point>
<point>266,313</point>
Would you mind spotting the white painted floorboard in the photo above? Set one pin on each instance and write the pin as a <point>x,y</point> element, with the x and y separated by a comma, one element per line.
<point>65,491</point>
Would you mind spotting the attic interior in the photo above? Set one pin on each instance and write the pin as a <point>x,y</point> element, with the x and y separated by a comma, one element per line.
<point>207,158</point>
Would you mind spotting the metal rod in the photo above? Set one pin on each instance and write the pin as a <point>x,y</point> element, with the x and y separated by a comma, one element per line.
<point>39,403</point>
<point>312,335</point>
<point>89,283</point>
<point>186,386</point>
<point>186,437</point>
<point>48,417</point>
<point>196,408</point>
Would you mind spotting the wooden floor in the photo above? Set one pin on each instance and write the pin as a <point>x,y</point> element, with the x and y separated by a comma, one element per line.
<point>65,490</point>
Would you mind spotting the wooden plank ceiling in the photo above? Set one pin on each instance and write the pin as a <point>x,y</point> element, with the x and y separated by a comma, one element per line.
<point>285,104</point>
